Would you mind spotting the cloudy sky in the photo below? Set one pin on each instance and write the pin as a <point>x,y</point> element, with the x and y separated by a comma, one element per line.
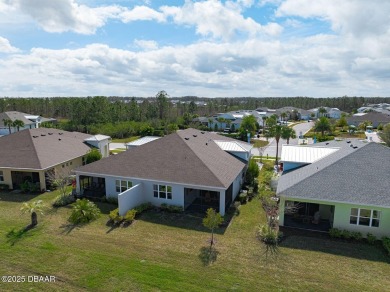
<point>211,48</point>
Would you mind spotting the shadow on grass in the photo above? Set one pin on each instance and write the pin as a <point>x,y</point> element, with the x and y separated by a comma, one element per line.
<point>106,208</point>
<point>185,220</point>
<point>68,228</point>
<point>208,255</point>
<point>321,242</point>
<point>15,236</point>
<point>17,197</point>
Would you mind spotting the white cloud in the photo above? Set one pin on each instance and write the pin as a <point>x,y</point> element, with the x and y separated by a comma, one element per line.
<point>213,18</point>
<point>5,46</point>
<point>146,45</point>
<point>141,13</point>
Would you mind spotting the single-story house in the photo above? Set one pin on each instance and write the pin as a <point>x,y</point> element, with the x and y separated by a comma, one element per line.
<point>35,155</point>
<point>347,188</point>
<point>190,168</point>
<point>375,118</point>
<point>29,121</point>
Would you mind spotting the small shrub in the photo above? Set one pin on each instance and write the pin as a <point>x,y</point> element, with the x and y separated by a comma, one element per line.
<point>243,197</point>
<point>114,216</point>
<point>268,235</point>
<point>371,238</point>
<point>84,211</point>
<point>356,235</point>
<point>24,186</point>
<point>143,207</point>
<point>130,216</point>
<point>345,234</point>
<point>4,187</point>
<point>62,200</point>
<point>171,208</point>
<point>335,233</point>
<point>386,244</point>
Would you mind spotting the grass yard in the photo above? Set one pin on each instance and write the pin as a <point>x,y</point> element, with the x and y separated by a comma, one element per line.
<point>126,140</point>
<point>259,143</point>
<point>166,252</point>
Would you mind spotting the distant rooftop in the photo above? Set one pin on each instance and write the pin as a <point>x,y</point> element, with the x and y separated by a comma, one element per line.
<point>142,141</point>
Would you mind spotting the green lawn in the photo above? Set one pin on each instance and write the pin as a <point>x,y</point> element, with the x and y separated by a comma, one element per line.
<point>126,140</point>
<point>259,143</point>
<point>165,252</point>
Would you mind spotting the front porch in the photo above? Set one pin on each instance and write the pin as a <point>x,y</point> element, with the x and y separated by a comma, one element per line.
<point>309,216</point>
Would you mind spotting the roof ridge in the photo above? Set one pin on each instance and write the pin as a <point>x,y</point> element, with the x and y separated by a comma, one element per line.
<point>35,150</point>
<point>199,158</point>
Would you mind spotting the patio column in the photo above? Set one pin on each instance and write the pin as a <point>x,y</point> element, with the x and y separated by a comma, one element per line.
<point>222,202</point>
<point>281,212</point>
<point>42,180</point>
<point>78,184</point>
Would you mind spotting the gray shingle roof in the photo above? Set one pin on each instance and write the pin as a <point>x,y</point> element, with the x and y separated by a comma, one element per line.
<point>188,157</point>
<point>13,115</point>
<point>41,148</point>
<point>357,176</point>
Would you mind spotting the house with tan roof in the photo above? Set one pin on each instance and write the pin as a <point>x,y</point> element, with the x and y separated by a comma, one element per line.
<point>190,168</point>
<point>29,121</point>
<point>33,155</point>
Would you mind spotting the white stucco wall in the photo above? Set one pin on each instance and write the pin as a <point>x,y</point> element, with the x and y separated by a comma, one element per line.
<point>131,198</point>
<point>237,185</point>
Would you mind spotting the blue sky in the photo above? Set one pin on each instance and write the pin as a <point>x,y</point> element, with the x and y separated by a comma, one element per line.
<point>206,48</point>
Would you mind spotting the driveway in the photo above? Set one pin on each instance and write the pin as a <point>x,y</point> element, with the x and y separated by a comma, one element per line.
<point>114,146</point>
<point>302,129</point>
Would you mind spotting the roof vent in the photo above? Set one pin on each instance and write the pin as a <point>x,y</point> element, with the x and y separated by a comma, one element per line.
<point>35,136</point>
<point>50,133</point>
<point>351,145</point>
<point>207,143</point>
<point>59,139</point>
<point>60,133</point>
<point>348,141</point>
<point>186,138</point>
<point>43,135</point>
<point>195,136</point>
<point>354,147</point>
<point>327,143</point>
<point>202,132</point>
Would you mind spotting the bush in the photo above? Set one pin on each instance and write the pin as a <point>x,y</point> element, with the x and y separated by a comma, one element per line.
<point>4,187</point>
<point>268,235</point>
<point>386,244</point>
<point>114,216</point>
<point>130,216</point>
<point>335,233</point>
<point>143,207</point>
<point>171,208</point>
<point>345,234</point>
<point>243,197</point>
<point>84,211</point>
<point>62,200</point>
<point>24,186</point>
<point>356,235</point>
<point>371,238</point>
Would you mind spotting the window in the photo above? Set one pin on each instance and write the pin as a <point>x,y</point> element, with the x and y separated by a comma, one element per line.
<point>365,217</point>
<point>1,175</point>
<point>122,185</point>
<point>162,192</point>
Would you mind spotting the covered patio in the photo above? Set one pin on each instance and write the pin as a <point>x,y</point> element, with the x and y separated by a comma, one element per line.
<point>92,187</point>
<point>309,216</point>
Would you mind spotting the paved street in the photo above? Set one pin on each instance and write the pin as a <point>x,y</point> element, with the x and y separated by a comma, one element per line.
<point>271,148</point>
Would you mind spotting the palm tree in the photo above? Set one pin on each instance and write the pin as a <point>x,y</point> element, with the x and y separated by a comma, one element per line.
<point>322,125</point>
<point>288,133</point>
<point>264,118</point>
<point>33,208</point>
<point>283,116</point>
<point>18,124</point>
<point>220,121</point>
<point>276,132</point>
<point>210,122</point>
<point>8,123</point>
<point>322,111</point>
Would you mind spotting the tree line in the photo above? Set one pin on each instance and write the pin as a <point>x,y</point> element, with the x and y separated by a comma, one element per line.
<point>124,116</point>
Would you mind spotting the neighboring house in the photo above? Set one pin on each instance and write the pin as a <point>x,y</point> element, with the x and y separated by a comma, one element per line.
<point>294,113</point>
<point>192,169</point>
<point>34,155</point>
<point>375,118</point>
<point>333,113</point>
<point>100,142</point>
<point>346,187</point>
<point>140,142</point>
<point>30,121</point>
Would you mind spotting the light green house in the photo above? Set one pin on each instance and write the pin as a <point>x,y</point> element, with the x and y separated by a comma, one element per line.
<point>346,189</point>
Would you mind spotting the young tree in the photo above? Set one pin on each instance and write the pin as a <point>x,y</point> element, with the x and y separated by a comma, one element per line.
<point>212,221</point>
<point>276,132</point>
<point>8,123</point>
<point>288,133</point>
<point>248,125</point>
<point>363,125</point>
<point>252,172</point>
<point>385,134</point>
<point>33,208</point>
<point>93,155</point>
<point>342,122</point>
<point>322,125</point>
<point>60,179</point>
<point>18,124</point>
